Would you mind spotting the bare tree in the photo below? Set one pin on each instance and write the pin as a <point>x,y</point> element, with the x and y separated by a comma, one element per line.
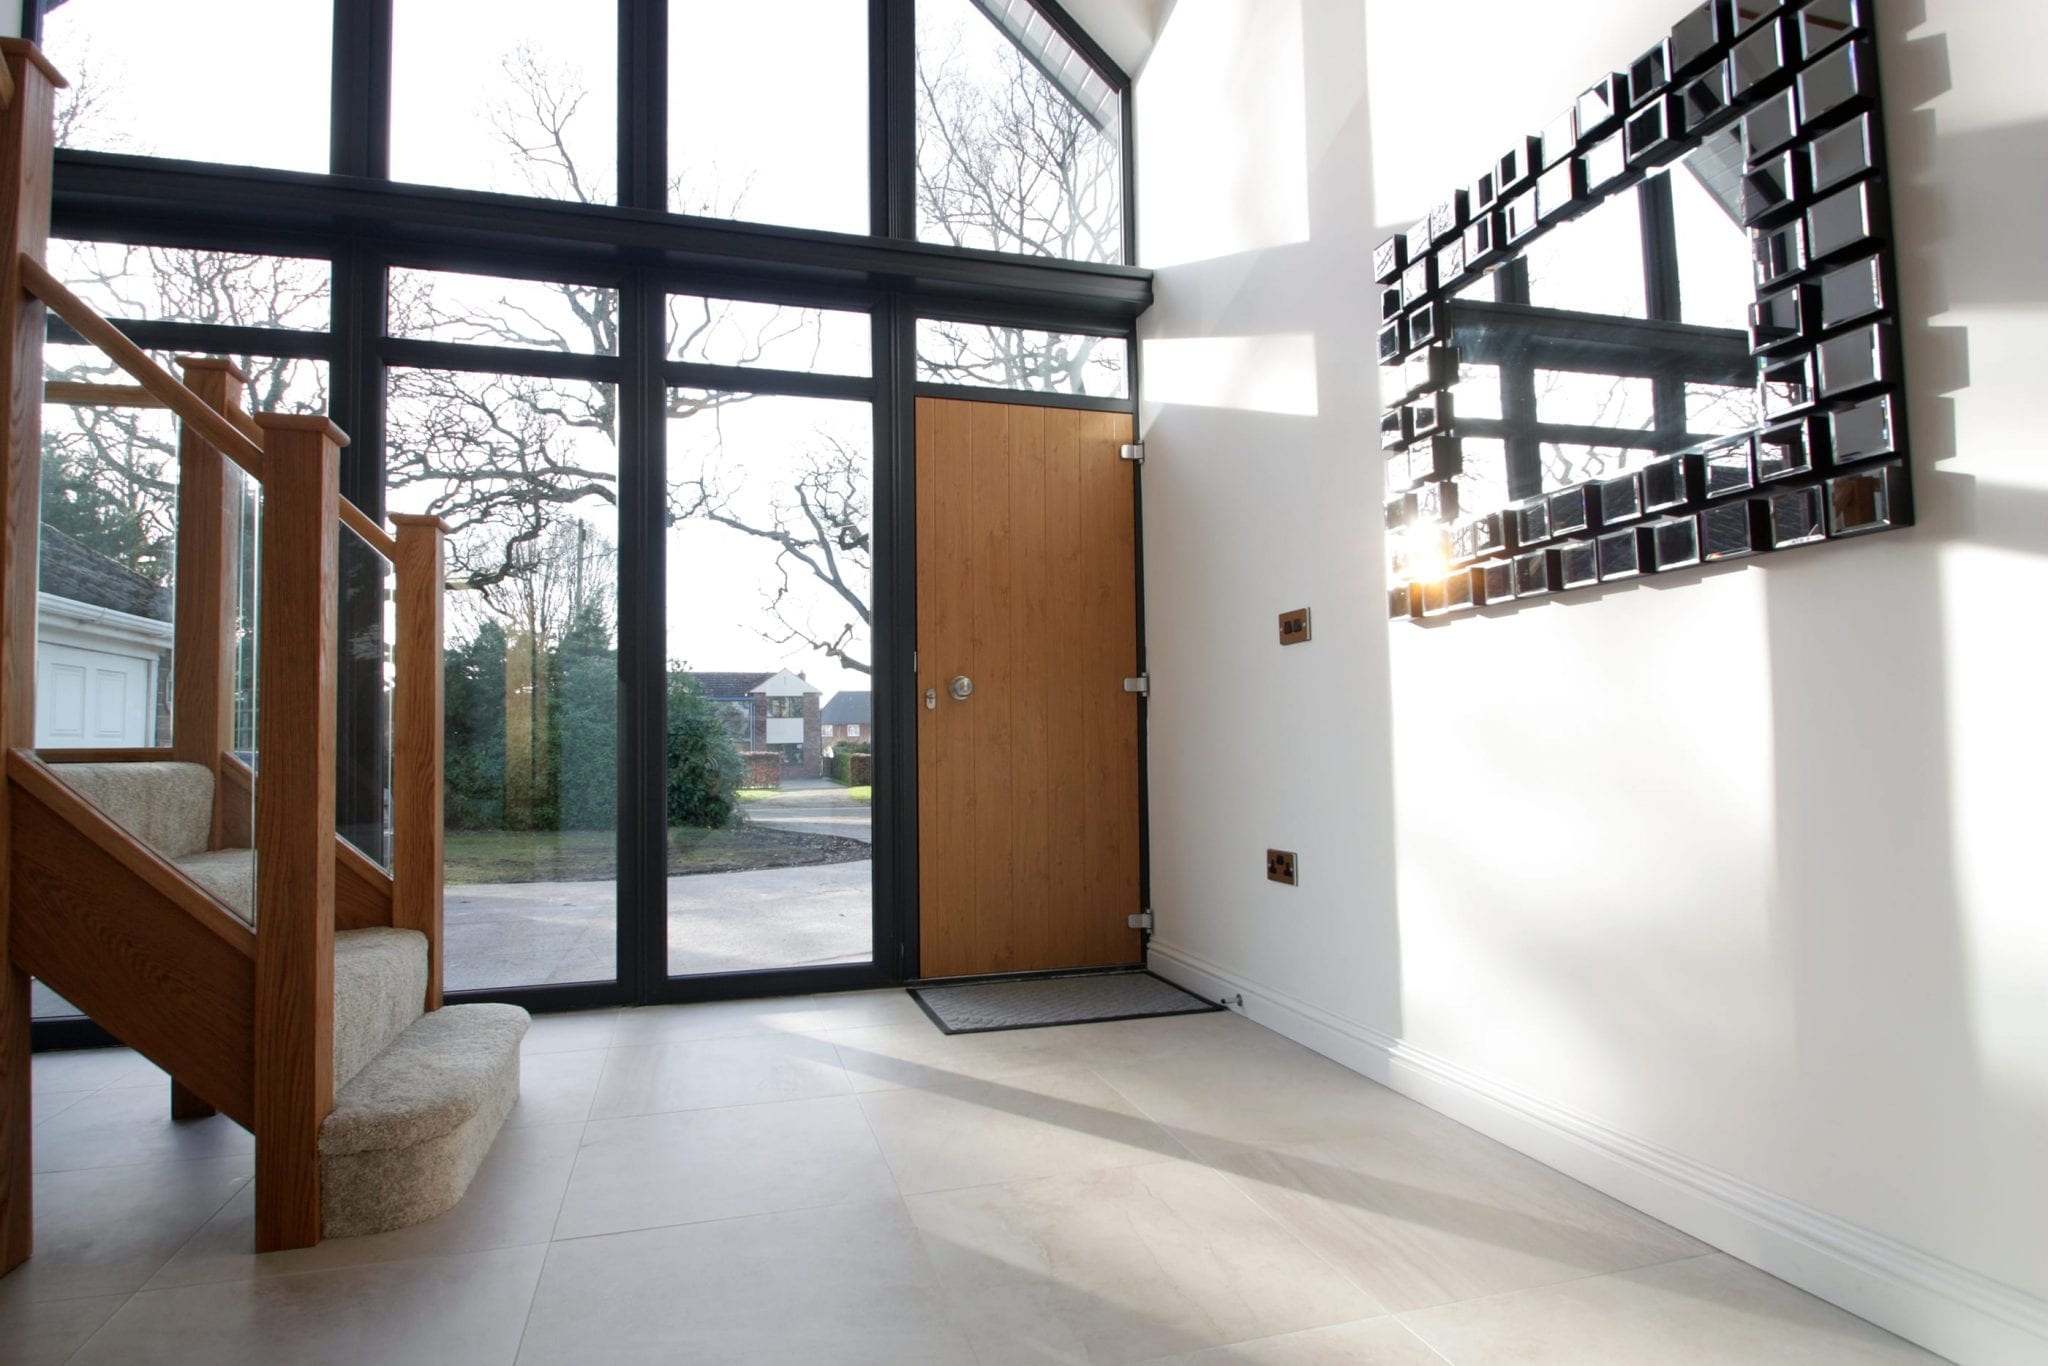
<point>820,530</point>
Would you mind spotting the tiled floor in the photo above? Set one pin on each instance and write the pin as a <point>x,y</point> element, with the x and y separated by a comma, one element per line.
<point>830,1180</point>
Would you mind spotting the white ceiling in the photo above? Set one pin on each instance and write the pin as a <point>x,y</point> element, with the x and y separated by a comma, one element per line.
<point>1125,28</point>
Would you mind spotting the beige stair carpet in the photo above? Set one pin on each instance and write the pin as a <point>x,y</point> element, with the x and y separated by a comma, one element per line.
<point>408,1134</point>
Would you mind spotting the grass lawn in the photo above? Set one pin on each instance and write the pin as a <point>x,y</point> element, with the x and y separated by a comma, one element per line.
<point>755,794</point>
<point>588,855</point>
<point>863,794</point>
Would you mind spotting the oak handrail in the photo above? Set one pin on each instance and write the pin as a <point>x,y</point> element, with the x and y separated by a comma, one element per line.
<point>225,435</point>
<point>380,540</point>
<point>81,395</point>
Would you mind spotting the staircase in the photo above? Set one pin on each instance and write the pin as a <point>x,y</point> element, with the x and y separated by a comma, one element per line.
<point>195,899</point>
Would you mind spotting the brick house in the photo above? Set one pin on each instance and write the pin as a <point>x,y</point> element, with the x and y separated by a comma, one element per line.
<point>847,717</point>
<point>772,712</point>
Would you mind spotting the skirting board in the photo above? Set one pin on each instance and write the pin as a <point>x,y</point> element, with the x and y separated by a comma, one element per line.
<point>1945,1308</point>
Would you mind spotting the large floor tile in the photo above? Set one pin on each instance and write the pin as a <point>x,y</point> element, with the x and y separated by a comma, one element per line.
<point>883,1057</point>
<point>1267,1093</point>
<point>1705,1311</point>
<point>89,1069</point>
<point>805,1015</point>
<point>107,1230</point>
<point>513,1202</point>
<point>47,1332</point>
<point>752,1070</point>
<point>1420,1210</point>
<point>1124,1265</point>
<point>848,1285</point>
<point>1372,1342</point>
<point>978,1133</point>
<point>557,1088</point>
<point>453,1310</point>
<point>121,1126</point>
<point>690,1165</point>
<point>571,1032</point>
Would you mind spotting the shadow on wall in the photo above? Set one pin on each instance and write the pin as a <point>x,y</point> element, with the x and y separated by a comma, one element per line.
<point>1258,390</point>
<point>1870,899</point>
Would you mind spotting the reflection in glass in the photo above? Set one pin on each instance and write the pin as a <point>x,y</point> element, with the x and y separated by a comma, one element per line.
<point>522,104</point>
<point>1862,430</point>
<point>1730,531</point>
<point>1623,402</point>
<point>1796,517</point>
<point>1840,155</point>
<point>1593,264</point>
<point>1478,391</point>
<point>1714,284</point>
<point>1721,409</point>
<point>525,472</point>
<point>1864,501</point>
<point>770,557</point>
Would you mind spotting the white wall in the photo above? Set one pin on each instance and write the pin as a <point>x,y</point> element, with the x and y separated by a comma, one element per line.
<point>1802,949</point>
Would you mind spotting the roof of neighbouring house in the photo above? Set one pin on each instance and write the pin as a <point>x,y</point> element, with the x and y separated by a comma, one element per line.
<point>68,569</point>
<point>787,684</point>
<point>847,709</point>
<point>729,684</point>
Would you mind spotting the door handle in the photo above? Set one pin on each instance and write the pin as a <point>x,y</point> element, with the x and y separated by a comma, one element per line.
<point>961,687</point>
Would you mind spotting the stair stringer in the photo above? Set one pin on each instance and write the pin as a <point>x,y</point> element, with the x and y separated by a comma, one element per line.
<point>119,931</point>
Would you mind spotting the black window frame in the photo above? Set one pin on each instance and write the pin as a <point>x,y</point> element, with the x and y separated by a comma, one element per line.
<point>364,224</point>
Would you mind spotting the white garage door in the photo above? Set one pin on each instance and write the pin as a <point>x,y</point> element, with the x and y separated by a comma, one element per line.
<point>93,700</point>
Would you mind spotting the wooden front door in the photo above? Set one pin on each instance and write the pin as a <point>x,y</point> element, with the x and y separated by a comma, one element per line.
<point>1028,785</point>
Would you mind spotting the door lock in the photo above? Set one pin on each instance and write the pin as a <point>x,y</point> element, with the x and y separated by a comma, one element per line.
<point>961,687</point>
<point>931,699</point>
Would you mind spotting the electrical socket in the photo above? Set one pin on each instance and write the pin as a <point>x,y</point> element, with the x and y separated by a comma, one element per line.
<point>1280,866</point>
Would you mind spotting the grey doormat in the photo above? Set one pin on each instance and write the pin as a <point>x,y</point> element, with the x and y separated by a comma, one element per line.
<point>1036,1002</point>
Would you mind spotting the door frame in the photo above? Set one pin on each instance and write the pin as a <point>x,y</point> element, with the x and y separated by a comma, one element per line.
<point>901,763</point>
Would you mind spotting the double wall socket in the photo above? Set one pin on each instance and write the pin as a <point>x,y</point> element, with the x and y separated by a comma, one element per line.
<point>1280,866</point>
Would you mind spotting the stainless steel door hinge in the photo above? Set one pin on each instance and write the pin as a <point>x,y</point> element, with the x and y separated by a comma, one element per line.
<point>1132,451</point>
<point>1141,921</point>
<point>1141,685</point>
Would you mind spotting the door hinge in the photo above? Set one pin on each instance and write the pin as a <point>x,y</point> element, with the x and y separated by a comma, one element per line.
<point>1133,451</point>
<point>1141,921</point>
<point>1141,685</point>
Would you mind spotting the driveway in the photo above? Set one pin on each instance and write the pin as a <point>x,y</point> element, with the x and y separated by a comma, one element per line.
<point>815,807</point>
<point>515,933</point>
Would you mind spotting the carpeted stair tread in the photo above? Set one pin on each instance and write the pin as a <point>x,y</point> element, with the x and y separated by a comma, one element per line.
<point>443,1070</point>
<point>168,806</point>
<point>380,988</point>
<point>230,874</point>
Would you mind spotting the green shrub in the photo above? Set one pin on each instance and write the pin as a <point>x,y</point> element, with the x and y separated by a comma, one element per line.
<point>705,772</point>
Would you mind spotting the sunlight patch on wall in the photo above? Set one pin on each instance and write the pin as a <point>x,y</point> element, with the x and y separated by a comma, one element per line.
<point>1222,135</point>
<point>1268,374</point>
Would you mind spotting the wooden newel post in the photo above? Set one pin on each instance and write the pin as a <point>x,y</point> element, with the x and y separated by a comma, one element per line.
<point>24,229</point>
<point>416,746</point>
<point>297,667</point>
<point>208,591</point>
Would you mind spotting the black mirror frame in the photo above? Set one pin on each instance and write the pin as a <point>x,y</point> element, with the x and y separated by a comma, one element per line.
<point>1800,78</point>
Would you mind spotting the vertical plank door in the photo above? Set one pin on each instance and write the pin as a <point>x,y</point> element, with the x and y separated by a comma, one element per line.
<point>1027,787</point>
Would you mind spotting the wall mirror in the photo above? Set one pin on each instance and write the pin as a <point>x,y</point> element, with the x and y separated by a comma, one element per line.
<point>1659,332</point>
